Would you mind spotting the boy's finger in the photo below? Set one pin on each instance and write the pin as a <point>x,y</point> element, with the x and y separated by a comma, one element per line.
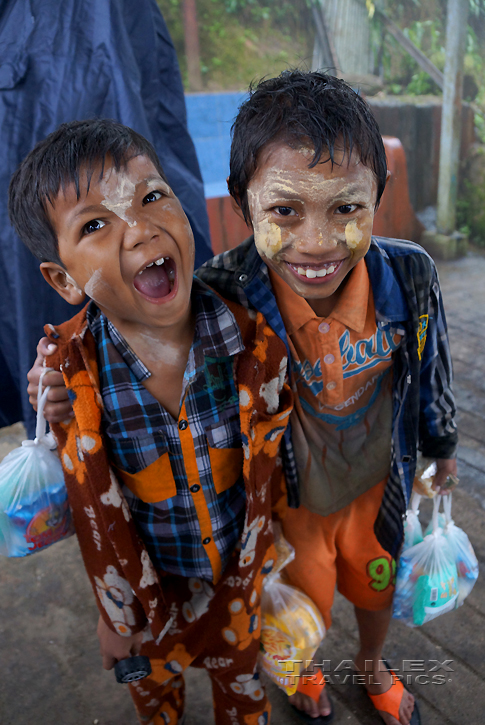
<point>45,347</point>
<point>108,662</point>
<point>58,412</point>
<point>58,392</point>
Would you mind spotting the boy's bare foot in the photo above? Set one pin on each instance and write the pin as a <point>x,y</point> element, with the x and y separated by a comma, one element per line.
<point>309,706</point>
<point>380,682</point>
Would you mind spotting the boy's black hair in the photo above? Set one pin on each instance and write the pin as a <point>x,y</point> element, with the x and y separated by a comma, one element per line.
<point>55,163</point>
<point>301,107</point>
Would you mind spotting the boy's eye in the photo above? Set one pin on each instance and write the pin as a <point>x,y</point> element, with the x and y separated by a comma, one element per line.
<point>93,226</point>
<point>152,196</point>
<point>346,208</point>
<point>285,210</point>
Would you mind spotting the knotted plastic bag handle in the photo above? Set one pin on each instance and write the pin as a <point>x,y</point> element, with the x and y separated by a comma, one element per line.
<point>40,426</point>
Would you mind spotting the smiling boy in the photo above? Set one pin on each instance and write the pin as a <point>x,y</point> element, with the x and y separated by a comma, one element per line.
<point>370,361</point>
<point>179,404</point>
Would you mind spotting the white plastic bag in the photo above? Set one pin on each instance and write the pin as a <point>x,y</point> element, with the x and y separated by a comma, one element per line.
<point>291,625</point>
<point>463,554</point>
<point>426,581</point>
<point>413,533</point>
<point>34,510</point>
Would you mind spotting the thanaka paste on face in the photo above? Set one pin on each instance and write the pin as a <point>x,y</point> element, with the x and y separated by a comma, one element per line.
<point>119,199</point>
<point>353,235</point>
<point>73,283</point>
<point>94,284</point>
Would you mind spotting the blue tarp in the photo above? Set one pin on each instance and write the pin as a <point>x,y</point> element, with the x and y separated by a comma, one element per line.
<point>68,60</point>
<point>210,117</point>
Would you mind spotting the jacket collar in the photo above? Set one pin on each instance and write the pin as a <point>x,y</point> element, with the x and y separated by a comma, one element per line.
<point>390,303</point>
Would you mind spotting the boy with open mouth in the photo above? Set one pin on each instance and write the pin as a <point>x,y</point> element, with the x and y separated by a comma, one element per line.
<point>171,457</point>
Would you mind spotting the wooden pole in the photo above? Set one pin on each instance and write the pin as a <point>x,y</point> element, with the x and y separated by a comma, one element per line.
<point>192,49</point>
<point>456,29</point>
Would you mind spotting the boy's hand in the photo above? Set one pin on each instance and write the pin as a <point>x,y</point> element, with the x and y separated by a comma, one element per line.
<point>114,647</point>
<point>445,467</point>
<point>58,406</point>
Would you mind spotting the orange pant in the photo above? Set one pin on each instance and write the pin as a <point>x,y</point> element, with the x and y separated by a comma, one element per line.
<point>214,629</point>
<point>341,549</point>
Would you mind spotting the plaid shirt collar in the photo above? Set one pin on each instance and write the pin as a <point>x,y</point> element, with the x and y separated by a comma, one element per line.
<point>216,329</point>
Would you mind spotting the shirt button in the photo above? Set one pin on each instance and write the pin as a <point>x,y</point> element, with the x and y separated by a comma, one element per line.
<point>183,425</point>
<point>323,327</point>
<point>242,278</point>
<point>195,488</point>
<point>207,541</point>
<point>328,359</point>
<point>331,386</point>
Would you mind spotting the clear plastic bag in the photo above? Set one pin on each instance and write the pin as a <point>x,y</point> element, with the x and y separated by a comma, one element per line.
<point>427,578</point>
<point>291,626</point>
<point>413,533</point>
<point>34,510</point>
<point>463,554</point>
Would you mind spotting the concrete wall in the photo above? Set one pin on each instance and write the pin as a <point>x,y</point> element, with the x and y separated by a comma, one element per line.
<point>417,123</point>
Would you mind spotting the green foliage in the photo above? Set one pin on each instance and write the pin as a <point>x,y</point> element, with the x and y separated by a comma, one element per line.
<point>241,40</point>
<point>470,212</point>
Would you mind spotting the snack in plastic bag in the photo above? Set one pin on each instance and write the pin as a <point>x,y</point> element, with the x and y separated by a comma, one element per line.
<point>425,472</point>
<point>34,510</point>
<point>291,625</point>
<point>426,581</point>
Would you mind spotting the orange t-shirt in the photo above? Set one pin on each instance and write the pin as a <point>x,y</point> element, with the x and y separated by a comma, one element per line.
<point>341,371</point>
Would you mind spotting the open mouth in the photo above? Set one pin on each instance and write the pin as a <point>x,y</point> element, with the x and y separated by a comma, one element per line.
<point>157,280</point>
<point>316,273</point>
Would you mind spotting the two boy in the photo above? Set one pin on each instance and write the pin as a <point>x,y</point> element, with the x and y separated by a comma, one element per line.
<point>364,325</point>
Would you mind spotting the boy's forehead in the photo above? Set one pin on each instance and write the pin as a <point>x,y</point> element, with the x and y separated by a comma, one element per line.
<point>102,177</point>
<point>300,154</point>
<point>284,167</point>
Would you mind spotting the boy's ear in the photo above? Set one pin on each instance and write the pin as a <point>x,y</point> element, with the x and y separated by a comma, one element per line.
<point>62,282</point>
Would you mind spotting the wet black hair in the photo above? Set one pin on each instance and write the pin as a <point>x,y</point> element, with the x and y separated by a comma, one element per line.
<point>302,107</point>
<point>56,163</point>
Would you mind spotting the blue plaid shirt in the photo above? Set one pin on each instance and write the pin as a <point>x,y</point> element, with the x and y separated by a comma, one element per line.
<point>138,431</point>
<point>407,295</point>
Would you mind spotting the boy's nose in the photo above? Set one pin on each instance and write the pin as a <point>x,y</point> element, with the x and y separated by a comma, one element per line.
<point>314,239</point>
<point>138,231</point>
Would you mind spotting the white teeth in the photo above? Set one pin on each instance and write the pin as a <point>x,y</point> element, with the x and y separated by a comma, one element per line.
<point>312,273</point>
<point>159,261</point>
<point>149,265</point>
